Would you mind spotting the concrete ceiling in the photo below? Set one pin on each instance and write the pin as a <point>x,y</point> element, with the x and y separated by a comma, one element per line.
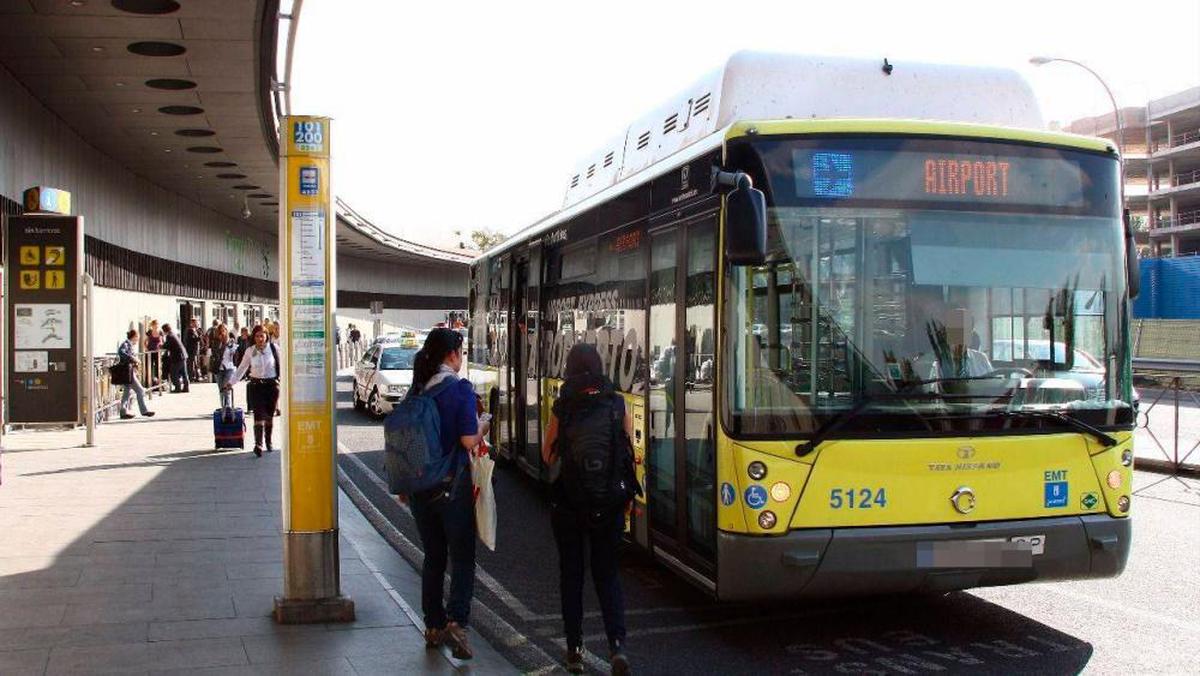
<point>75,56</point>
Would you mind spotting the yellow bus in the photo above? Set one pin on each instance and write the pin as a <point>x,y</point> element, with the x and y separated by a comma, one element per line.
<point>871,323</point>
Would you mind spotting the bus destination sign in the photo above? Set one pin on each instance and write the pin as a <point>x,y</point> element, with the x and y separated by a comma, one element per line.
<point>914,176</point>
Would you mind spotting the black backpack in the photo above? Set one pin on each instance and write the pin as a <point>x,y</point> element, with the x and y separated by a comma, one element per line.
<point>597,460</point>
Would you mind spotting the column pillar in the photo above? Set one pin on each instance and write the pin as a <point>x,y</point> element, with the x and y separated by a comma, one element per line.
<point>311,577</point>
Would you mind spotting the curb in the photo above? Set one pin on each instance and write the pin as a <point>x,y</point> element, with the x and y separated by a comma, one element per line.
<point>508,641</point>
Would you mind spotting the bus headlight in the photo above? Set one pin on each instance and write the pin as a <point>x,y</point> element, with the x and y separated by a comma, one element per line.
<point>757,470</point>
<point>1127,457</point>
<point>1122,504</point>
<point>780,492</point>
<point>766,520</point>
<point>1114,479</point>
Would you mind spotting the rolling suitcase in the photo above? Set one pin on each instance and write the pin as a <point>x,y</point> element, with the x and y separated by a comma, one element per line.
<point>229,427</point>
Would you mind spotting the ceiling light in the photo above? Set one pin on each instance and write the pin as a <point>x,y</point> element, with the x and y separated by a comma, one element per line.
<point>180,110</point>
<point>120,84</point>
<point>166,150</point>
<point>136,110</point>
<point>77,3</point>
<point>97,48</point>
<point>146,6</point>
<point>158,49</point>
<point>154,133</point>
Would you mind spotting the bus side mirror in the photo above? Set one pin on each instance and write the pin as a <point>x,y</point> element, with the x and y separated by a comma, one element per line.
<point>1133,269</point>
<point>745,220</point>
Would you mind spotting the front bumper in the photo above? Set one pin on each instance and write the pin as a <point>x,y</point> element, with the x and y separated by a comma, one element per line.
<point>388,401</point>
<point>882,560</point>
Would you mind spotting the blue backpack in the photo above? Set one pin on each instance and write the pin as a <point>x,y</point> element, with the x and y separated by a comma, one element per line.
<point>414,460</point>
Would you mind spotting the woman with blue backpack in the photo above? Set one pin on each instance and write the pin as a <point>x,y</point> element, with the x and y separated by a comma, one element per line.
<point>588,446</point>
<point>445,514</point>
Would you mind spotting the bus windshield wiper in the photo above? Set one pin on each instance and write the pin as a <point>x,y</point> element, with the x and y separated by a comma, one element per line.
<point>832,425</point>
<point>839,420</point>
<point>1068,421</point>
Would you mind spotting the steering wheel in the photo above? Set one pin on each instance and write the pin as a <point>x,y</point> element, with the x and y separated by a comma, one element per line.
<point>1006,371</point>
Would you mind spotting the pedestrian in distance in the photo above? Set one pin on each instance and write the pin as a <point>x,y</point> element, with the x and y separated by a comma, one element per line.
<point>261,361</point>
<point>588,442</point>
<point>191,343</point>
<point>243,343</point>
<point>154,342</point>
<point>127,356</point>
<point>224,350</point>
<point>177,360</point>
<point>445,514</point>
<point>355,334</point>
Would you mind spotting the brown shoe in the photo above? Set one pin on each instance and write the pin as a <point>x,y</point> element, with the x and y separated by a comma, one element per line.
<point>575,660</point>
<point>434,638</point>
<point>456,637</point>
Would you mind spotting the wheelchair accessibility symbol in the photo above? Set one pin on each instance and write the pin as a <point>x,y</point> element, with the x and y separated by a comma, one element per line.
<point>756,497</point>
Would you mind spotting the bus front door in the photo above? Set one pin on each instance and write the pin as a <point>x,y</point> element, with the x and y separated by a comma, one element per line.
<point>680,460</point>
<point>518,357</point>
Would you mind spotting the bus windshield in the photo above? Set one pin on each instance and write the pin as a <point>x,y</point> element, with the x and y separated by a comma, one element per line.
<point>920,284</point>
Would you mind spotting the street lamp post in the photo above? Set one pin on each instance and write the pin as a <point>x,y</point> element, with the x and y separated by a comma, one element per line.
<point>1043,60</point>
<point>1131,263</point>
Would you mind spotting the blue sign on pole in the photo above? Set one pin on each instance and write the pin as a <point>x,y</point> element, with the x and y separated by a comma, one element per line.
<point>310,181</point>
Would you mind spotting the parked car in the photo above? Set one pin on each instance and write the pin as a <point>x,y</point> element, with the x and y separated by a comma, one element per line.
<point>382,377</point>
<point>1085,369</point>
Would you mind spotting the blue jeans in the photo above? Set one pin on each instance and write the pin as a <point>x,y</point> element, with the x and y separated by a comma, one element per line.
<point>134,387</point>
<point>574,535</point>
<point>447,527</point>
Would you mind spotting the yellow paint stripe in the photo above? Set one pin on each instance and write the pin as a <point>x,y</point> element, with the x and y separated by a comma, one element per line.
<point>918,128</point>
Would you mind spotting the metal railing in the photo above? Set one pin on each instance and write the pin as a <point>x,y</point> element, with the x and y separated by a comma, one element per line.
<point>1186,178</point>
<point>349,353</point>
<point>1185,138</point>
<point>1184,218</point>
<point>1178,458</point>
<point>151,373</point>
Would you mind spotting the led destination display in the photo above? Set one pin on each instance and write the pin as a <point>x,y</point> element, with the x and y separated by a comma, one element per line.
<point>932,176</point>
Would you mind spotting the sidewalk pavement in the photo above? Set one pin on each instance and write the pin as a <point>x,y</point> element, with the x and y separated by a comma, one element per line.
<point>153,553</point>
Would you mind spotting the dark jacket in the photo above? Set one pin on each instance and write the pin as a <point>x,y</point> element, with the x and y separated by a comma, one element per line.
<point>176,352</point>
<point>191,339</point>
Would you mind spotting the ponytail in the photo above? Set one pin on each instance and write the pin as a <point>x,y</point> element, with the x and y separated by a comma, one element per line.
<point>439,344</point>
<point>424,368</point>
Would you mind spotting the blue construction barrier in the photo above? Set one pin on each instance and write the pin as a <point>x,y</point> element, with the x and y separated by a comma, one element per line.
<point>1170,289</point>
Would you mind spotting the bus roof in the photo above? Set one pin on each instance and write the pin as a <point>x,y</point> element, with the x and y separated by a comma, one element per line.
<point>766,86</point>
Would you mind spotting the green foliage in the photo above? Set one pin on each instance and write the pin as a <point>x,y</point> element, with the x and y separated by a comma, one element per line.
<point>484,238</point>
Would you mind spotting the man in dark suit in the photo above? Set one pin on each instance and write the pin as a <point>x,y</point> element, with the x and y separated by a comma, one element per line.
<point>177,360</point>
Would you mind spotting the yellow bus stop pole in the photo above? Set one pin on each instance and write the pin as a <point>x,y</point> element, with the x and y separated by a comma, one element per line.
<point>311,578</point>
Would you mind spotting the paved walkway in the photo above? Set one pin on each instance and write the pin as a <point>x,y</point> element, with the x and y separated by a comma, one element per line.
<point>152,553</point>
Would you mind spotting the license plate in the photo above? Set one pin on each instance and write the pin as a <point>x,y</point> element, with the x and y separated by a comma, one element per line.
<point>1016,552</point>
<point>1037,543</point>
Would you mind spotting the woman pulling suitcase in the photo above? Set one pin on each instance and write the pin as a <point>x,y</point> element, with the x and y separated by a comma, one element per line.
<point>261,361</point>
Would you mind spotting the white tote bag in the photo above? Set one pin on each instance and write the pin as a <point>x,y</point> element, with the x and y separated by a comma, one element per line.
<point>482,466</point>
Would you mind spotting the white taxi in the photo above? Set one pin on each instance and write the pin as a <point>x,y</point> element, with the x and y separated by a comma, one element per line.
<point>383,375</point>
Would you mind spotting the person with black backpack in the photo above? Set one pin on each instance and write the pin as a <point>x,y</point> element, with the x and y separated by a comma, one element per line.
<point>588,441</point>
<point>444,506</point>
